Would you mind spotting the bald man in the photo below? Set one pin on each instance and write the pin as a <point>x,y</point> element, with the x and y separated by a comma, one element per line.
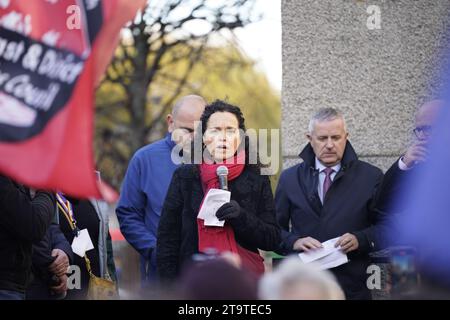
<point>147,179</point>
<point>411,160</point>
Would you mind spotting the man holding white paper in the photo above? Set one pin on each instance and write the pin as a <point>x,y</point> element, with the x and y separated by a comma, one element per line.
<point>327,257</point>
<point>330,197</point>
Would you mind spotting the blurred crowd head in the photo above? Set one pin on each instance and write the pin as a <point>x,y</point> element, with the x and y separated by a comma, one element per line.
<point>216,278</point>
<point>294,280</point>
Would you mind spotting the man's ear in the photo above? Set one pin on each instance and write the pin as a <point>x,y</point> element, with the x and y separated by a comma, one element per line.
<point>170,124</point>
<point>308,136</point>
<point>346,135</point>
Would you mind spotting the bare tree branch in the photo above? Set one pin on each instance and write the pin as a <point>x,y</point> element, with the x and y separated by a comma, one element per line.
<point>156,41</point>
<point>181,84</point>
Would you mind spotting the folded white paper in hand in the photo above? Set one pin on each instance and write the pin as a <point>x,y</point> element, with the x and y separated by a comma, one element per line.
<point>327,257</point>
<point>214,199</point>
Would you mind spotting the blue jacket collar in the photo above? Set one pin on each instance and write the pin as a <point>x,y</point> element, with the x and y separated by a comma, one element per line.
<point>168,139</point>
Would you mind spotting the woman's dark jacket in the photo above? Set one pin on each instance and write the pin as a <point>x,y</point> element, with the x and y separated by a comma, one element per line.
<point>255,227</point>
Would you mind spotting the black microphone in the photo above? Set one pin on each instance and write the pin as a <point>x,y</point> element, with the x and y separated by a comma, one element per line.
<point>222,173</point>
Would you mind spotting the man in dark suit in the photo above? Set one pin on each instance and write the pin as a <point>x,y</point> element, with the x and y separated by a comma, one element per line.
<point>414,156</point>
<point>394,199</point>
<point>329,195</point>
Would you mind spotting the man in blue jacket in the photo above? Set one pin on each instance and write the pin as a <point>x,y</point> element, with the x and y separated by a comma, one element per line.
<point>331,195</point>
<point>146,182</point>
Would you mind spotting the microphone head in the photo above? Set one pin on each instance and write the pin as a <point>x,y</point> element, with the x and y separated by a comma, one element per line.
<point>222,171</point>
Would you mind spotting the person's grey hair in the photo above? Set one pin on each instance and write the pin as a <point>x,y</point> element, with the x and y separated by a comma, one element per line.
<point>293,274</point>
<point>325,114</point>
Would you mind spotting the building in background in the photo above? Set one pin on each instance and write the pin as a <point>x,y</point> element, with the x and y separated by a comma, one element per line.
<point>375,60</point>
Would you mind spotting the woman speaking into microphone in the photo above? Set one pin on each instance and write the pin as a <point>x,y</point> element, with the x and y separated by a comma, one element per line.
<point>249,216</point>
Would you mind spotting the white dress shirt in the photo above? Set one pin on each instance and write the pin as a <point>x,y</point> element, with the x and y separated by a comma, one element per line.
<point>322,175</point>
<point>402,166</point>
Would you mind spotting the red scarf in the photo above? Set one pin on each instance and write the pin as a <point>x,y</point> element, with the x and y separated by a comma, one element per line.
<point>222,238</point>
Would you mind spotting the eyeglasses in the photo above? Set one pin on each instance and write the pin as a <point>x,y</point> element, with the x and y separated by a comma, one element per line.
<point>423,131</point>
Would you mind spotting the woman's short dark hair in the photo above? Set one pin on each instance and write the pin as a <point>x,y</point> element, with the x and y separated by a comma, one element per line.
<point>221,106</point>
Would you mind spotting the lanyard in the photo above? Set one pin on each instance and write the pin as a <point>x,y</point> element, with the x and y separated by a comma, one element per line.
<point>66,207</point>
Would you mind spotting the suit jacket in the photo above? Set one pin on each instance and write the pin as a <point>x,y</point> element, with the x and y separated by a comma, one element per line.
<point>348,207</point>
<point>389,201</point>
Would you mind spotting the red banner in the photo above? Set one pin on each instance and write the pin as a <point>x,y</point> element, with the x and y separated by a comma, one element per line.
<point>52,54</point>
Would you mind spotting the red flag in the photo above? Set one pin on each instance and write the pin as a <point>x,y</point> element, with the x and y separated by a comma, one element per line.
<point>52,54</point>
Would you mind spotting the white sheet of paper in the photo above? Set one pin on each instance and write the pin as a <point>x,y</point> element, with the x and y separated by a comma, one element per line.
<point>312,255</point>
<point>214,199</point>
<point>332,260</point>
<point>82,243</point>
<point>326,257</point>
